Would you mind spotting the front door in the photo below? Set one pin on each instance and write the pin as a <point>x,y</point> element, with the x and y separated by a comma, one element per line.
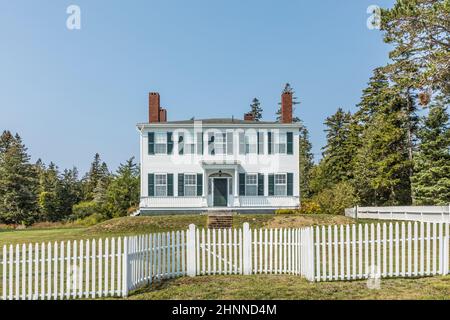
<point>220,192</point>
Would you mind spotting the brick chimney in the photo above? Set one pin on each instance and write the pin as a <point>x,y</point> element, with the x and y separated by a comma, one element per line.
<point>154,105</point>
<point>286,107</point>
<point>162,115</point>
<point>155,112</point>
<point>249,117</point>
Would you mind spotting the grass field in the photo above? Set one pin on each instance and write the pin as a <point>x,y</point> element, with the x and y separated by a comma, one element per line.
<point>237,287</point>
<point>142,225</point>
<point>283,287</point>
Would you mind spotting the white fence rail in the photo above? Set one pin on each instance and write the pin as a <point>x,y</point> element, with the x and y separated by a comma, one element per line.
<point>408,213</point>
<point>114,266</point>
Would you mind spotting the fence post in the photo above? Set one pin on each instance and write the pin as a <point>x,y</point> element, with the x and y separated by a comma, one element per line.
<point>445,253</point>
<point>356,212</point>
<point>246,249</point>
<point>190,251</point>
<point>125,269</point>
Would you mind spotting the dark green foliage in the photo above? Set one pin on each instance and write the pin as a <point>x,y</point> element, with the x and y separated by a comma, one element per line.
<point>18,182</point>
<point>431,180</point>
<point>256,110</point>
<point>306,163</point>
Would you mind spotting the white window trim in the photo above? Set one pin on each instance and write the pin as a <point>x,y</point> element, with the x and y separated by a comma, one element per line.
<point>253,184</point>
<point>190,185</point>
<point>279,142</point>
<point>156,185</point>
<point>251,144</point>
<point>275,184</point>
<point>160,143</point>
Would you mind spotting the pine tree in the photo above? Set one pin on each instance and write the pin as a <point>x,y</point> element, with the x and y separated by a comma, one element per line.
<point>18,182</point>
<point>338,153</point>
<point>98,171</point>
<point>382,166</point>
<point>431,180</point>
<point>289,89</point>
<point>306,163</point>
<point>70,193</point>
<point>123,192</point>
<point>49,192</point>
<point>256,110</point>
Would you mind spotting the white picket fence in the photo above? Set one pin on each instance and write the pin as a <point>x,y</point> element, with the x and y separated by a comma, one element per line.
<point>114,266</point>
<point>408,213</point>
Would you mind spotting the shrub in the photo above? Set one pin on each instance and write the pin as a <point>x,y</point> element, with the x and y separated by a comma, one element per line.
<point>287,211</point>
<point>310,207</point>
<point>336,199</point>
<point>91,220</point>
<point>84,209</point>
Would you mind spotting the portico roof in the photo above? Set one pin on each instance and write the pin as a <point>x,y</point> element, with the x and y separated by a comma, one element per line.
<point>220,164</point>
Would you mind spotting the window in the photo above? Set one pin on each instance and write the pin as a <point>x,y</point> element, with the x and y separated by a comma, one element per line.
<point>189,146</point>
<point>280,185</point>
<point>250,143</point>
<point>160,185</point>
<point>160,143</point>
<point>280,146</point>
<point>251,185</point>
<point>190,185</point>
<point>220,143</point>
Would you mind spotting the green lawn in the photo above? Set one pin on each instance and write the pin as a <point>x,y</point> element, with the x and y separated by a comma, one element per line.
<point>142,225</point>
<point>267,287</point>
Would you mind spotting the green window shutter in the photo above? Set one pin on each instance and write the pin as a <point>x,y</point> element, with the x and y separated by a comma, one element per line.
<point>151,185</point>
<point>242,184</point>
<point>290,143</point>
<point>199,184</point>
<point>169,143</point>
<point>241,143</point>
<point>180,144</point>
<point>290,184</point>
<point>260,143</point>
<point>269,143</point>
<point>181,184</point>
<point>211,150</point>
<point>199,143</point>
<point>260,184</point>
<point>170,185</point>
<point>151,143</point>
<point>271,184</point>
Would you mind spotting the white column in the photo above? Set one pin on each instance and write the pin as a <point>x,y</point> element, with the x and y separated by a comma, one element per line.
<point>190,251</point>
<point>236,188</point>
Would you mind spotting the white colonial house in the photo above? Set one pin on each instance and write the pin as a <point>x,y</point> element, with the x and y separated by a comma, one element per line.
<point>218,164</point>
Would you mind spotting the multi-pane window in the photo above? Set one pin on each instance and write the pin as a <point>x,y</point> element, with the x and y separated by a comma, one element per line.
<point>189,146</point>
<point>160,143</point>
<point>161,185</point>
<point>190,185</point>
<point>251,184</point>
<point>250,143</point>
<point>220,143</point>
<point>280,185</point>
<point>280,146</point>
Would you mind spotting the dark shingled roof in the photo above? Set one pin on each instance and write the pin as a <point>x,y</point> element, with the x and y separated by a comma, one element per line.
<point>222,121</point>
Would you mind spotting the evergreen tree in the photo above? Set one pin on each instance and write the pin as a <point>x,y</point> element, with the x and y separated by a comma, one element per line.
<point>70,193</point>
<point>49,193</point>
<point>256,110</point>
<point>382,166</point>
<point>306,163</point>
<point>98,171</point>
<point>123,192</point>
<point>431,180</point>
<point>338,152</point>
<point>419,32</point>
<point>289,89</point>
<point>18,182</point>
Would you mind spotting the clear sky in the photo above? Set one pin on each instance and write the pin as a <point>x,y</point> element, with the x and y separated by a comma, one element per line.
<point>71,93</point>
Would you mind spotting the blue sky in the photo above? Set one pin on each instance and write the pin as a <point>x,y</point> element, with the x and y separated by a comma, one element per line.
<point>70,94</point>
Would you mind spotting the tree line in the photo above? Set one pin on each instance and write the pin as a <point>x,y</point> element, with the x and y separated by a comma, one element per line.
<point>35,192</point>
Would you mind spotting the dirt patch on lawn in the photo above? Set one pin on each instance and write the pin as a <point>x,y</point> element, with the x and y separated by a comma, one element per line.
<point>299,221</point>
